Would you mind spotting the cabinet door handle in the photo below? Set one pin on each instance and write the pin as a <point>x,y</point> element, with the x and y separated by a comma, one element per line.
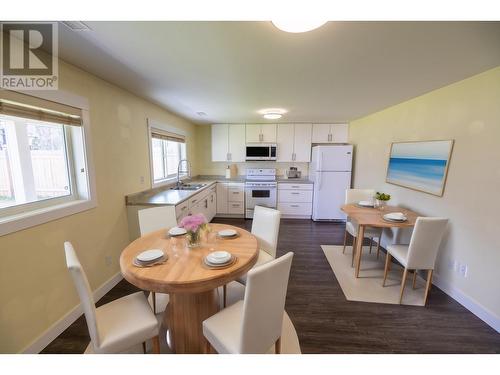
<point>236,205</point>
<point>294,205</point>
<point>194,201</point>
<point>295,193</point>
<point>295,187</point>
<point>206,203</point>
<point>236,192</point>
<point>183,208</point>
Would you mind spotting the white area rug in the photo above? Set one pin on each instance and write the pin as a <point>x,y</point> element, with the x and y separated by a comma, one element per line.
<point>368,287</point>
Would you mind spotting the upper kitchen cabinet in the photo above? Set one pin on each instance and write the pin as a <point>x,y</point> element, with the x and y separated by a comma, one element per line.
<point>294,142</point>
<point>261,133</point>
<point>330,133</point>
<point>228,142</point>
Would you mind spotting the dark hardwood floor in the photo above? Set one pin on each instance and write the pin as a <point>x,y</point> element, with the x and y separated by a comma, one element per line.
<point>327,323</point>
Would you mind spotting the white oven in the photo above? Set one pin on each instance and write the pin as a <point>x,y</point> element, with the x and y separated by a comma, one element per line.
<point>260,189</point>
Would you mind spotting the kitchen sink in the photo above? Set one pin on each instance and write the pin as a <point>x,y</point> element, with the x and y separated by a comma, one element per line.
<point>188,187</point>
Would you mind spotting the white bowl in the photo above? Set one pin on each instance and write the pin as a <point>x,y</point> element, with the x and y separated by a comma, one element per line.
<point>219,257</point>
<point>366,203</point>
<point>150,255</point>
<point>399,216</point>
<point>227,233</point>
<point>176,231</point>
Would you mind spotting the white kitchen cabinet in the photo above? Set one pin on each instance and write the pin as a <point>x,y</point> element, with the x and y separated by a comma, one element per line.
<point>294,142</point>
<point>228,142</point>
<point>260,133</point>
<point>295,200</point>
<point>212,205</point>
<point>230,198</point>
<point>330,133</point>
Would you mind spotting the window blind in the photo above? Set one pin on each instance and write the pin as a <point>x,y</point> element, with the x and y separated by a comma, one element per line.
<point>162,134</point>
<point>27,106</point>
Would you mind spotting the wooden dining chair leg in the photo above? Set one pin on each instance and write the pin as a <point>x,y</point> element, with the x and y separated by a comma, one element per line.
<point>378,246</point>
<point>428,285</point>
<point>144,347</point>
<point>224,295</point>
<point>345,242</point>
<point>414,279</point>
<point>153,298</point>
<point>277,346</point>
<point>371,244</point>
<point>403,282</point>
<point>156,345</point>
<point>354,240</point>
<point>386,269</point>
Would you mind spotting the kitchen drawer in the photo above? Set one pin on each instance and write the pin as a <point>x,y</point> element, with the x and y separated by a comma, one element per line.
<point>291,186</point>
<point>236,208</point>
<point>235,195</point>
<point>295,208</point>
<point>181,209</point>
<point>295,196</point>
<point>236,185</point>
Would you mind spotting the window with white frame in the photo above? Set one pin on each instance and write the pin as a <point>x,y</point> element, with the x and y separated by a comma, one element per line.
<point>42,156</point>
<point>167,149</point>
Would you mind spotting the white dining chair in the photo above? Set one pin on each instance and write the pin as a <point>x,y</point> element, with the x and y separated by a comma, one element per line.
<point>150,220</point>
<point>118,325</point>
<point>420,254</point>
<point>253,325</point>
<point>265,227</point>
<point>351,227</point>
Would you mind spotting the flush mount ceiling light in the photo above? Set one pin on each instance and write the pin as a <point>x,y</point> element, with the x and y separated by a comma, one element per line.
<point>272,113</point>
<point>298,25</point>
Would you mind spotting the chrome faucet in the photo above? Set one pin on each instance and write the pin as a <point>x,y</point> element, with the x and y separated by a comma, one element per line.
<point>179,171</point>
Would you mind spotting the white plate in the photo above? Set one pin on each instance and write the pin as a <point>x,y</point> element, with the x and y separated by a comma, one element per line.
<point>227,233</point>
<point>365,203</point>
<point>150,255</point>
<point>209,263</point>
<point>219,257</point>
<point>176,231</point>
<point>395,216</point>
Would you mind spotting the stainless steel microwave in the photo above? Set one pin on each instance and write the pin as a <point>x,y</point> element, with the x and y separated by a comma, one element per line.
<point>260,151</point>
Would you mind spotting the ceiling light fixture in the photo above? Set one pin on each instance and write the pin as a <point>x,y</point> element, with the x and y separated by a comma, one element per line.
<point>272,113</point>
<point>298,25</point>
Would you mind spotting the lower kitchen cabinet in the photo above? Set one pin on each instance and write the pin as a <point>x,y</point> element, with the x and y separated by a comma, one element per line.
<point>230,198</point>
<point>295,200</point>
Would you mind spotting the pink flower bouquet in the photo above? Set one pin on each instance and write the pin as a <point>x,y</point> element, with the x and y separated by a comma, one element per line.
<point>194,224</point>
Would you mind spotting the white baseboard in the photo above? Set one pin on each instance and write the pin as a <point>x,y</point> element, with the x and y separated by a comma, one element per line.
<point>486,315</point>
<point>58,327</point>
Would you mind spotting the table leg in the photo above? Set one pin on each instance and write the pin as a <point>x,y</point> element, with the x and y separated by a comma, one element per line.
<point>359,247</point>
<point>185,315</point>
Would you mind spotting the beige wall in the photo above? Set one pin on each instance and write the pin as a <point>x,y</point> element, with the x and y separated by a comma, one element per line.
<point>35,287</point>
<point>207,167</point>
<point>468,112</point>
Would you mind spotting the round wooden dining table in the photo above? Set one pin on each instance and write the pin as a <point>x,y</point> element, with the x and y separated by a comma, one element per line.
<point>192,285</point>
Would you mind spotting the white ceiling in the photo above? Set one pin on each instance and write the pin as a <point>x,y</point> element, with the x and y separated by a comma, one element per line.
<point>230,70</point>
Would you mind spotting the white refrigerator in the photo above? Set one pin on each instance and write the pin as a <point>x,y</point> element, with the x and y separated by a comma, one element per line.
<point>330,171</point>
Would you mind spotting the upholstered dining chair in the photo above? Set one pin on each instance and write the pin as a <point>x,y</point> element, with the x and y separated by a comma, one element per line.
<point>118,325</point>
<point>420,254</point>
<point>266,227</point>
<point>254,324</point>
<point>150,220</point>
<point>351,227</point>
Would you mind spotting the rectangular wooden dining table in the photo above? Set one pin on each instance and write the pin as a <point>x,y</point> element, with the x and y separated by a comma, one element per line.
<point>373,217</point>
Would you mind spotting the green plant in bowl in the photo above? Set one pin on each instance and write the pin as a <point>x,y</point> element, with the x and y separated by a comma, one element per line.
<point>382,196</point>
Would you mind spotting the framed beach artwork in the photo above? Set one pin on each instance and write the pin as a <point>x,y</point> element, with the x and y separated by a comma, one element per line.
<point>420,165</point>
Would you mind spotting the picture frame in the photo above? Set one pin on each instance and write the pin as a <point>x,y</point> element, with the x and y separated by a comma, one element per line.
<point>420,165</point>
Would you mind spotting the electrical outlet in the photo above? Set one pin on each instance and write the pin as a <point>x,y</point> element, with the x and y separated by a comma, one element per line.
<point>142,180</point>
<point>456,266</point>
<point>463,270</point>
<point>108,260</point>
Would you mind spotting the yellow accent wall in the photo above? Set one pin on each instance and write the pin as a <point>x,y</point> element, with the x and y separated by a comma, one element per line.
<point>35,287</point>
<point>468,112</point>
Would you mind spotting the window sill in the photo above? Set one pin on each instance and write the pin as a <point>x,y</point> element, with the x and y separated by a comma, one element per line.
<point>14,223</point>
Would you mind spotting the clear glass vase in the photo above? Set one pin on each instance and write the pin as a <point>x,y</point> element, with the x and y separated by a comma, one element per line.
<point>194,238</point>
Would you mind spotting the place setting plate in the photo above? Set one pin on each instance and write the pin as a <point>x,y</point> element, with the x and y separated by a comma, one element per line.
<point>227,234</point>
<point>150,258</point>
<point>365,204</point>
<point>219,259</point>
<point>176,232</point>
<point>395,217</point>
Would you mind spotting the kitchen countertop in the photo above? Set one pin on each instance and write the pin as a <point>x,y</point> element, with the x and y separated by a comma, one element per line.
<point>164,196</point>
